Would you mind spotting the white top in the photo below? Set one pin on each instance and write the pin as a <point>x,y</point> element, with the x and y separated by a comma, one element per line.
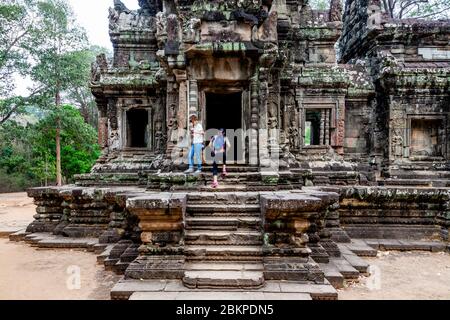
<point>198,133</point>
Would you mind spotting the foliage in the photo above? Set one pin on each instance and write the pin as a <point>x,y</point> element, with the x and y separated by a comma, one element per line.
<point>320,4</point>
<point>79,93</point>
<point>426,9</point>
<point>27,153</point>
<point>401,9</point>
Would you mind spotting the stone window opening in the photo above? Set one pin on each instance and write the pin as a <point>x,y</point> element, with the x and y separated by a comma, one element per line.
<point>317,127</point>
<point>427,138</point>
<point>137,128</point>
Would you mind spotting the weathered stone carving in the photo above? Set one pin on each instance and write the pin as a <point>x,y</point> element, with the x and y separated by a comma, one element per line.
<point>336,10</point>
<point>98,67</point>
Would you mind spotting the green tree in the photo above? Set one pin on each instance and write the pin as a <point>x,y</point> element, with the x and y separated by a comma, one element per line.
<point>28,152</point>
<point>79,93</point>
<point>320,4</point>
<point>18,33</point>
<point>56,67</point>
<point>78,140</point>
<point>425,9</point>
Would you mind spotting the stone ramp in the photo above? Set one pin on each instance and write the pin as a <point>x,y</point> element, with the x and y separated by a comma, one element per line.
<point>175,290</point>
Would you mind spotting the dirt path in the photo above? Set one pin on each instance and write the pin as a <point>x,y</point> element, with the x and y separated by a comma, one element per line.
<point>27,273</point>
<point>16,212</point>
<point>404,276</point>
<point>30,273</point>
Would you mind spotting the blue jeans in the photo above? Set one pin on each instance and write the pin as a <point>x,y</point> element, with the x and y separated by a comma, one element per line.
<point>195,152</point>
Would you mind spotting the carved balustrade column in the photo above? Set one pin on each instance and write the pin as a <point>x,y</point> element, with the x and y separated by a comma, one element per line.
<point>322,127</point>
<point>327,126</point>
<point>172,111</point>
<point>253,145</point>
<point>264,127</point>
<point>193,98</point>
<point>102,125</point>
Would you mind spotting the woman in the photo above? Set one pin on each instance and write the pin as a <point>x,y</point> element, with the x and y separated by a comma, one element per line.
<point>195,152</point>
<point>219,145</point>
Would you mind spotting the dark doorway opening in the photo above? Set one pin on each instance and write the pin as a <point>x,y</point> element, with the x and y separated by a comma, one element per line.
<point>225,111</point>
<point>137,132</point>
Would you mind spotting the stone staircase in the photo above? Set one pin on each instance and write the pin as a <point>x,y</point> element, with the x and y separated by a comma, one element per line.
<point>223,239</point>
<point>417,174</point>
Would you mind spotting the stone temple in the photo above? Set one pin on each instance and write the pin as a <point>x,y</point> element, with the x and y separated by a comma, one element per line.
<point>343,148</point>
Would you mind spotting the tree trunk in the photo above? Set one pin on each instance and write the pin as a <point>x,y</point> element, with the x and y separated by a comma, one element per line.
<point>58,140</point>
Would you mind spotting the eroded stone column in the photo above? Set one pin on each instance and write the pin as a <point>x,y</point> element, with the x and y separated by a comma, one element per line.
<point>253,145</point>
<point>193,98</point>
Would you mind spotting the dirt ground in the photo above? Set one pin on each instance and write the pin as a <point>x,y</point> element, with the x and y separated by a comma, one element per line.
<point>29,273</point>
<point>403,276</point>
<point>16,211</point>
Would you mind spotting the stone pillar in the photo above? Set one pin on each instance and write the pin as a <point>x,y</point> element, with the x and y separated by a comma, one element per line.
<point>322,127</point>
<point>264,126</point>
<point>253,132</point>
<point>161,255</point>
<point>171,115</point>
<point>181,113</point>
<point>340,123</point>
<point>293,234</point>
<point>327,126</point>
<point>193,98</point>
<point>102,126</point>
<point>301,115</point>
<point>49,209</point>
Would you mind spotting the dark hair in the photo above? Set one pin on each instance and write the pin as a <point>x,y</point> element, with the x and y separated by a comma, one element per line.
<point>224,132</point>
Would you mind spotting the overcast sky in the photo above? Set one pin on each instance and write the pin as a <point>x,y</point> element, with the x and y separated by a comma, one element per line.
<point>93,16</point>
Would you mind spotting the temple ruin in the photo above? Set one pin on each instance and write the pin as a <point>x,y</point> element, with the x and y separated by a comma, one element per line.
<point>343,148</point>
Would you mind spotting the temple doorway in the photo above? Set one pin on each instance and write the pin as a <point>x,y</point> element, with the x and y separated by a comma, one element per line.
<point>137,128</point>
<point>224,110</point>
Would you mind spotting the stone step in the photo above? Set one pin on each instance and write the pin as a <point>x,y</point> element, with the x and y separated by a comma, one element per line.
<point>175,290</point>
<point>356,262</point>
<point>405,245</point>
<point>345,268</point>
<point>358,247</point>
<point>219,295</point>
<point>419,174</point>
<point>230,209</point>
<point>235,197</point>
<point>438,182</point>
<point>213,279</point>
<point>333,275</point>
<point>234,253</point>
<point>222,223</point>
<point>18,236</point>
<point>234,168</point>
<point>223,237</point>
<point>224,266</point>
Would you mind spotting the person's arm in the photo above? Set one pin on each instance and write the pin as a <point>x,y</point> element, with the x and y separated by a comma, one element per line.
<point>227,143</point>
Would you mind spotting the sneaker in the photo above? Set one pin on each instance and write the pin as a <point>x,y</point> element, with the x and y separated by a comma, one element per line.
<point>214,185</point>
<point>198,172</point>
<point>188,171</point>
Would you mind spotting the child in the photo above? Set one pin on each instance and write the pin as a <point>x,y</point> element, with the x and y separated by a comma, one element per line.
<point>219,144</point>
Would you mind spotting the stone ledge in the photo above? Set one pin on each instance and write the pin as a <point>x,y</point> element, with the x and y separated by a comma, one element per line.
<point>171,289</point>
